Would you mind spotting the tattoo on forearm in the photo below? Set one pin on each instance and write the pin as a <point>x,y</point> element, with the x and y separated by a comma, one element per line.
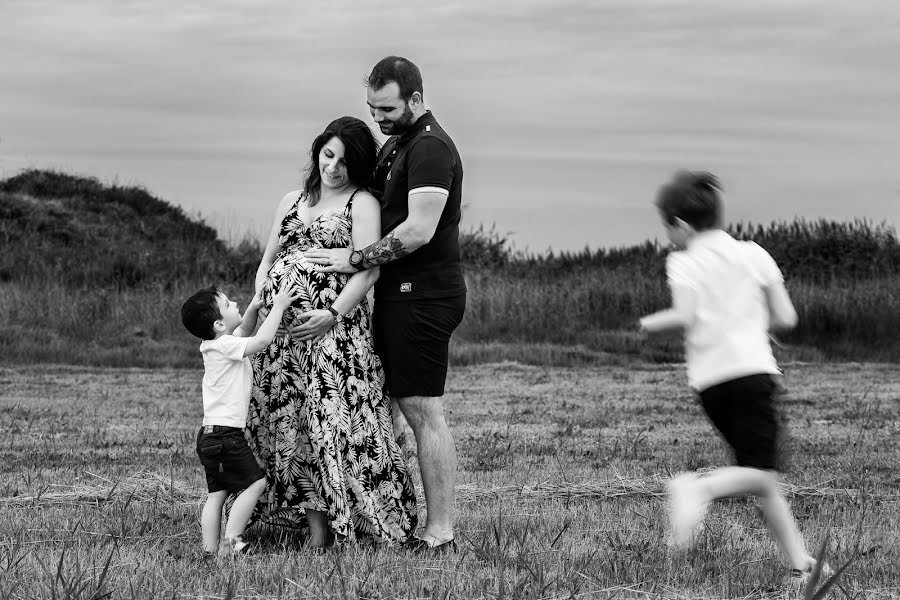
<point>383,251</point>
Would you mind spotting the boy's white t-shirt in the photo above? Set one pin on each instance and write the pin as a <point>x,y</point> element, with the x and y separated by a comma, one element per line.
<point>728,336</point>
<point>227,379</point>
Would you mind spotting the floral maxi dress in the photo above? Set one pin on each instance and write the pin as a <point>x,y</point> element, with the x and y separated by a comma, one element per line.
<point>319,417</point>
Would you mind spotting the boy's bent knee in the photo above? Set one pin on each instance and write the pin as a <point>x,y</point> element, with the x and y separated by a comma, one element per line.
<point>769,483</point>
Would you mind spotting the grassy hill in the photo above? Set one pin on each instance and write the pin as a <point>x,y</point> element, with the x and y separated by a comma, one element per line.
<point>96,274</point>
<point>80,232</point>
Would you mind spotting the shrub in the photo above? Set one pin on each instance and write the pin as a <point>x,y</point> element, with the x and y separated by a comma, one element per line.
<point>824,250</point>
<point>480,248</point>
<point>108,260</point>
<point>77,231</point>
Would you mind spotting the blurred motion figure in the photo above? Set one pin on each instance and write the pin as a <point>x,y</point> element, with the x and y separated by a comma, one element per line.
<point>726,295</point>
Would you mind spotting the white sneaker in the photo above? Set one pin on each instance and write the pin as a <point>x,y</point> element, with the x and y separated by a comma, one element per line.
<point>687,508</point>
<point>236,546</point>
<point>800,577</point>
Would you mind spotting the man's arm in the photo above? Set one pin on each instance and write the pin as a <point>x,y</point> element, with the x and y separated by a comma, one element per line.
<point>431,165</point>
<point>425,208</point>
<point>426,205</point>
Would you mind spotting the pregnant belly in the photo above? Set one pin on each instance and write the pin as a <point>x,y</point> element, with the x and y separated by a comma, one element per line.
<point>317,289</point>
<point>293,263</point>
<point>299,273</point>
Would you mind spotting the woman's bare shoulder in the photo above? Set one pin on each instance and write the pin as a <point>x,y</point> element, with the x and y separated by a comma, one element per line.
<point>366,201</point>
<point>291,196</point>
<point>288,200</point>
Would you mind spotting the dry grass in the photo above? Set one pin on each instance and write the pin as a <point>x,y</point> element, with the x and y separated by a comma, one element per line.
<point>147,486</point>
<point>559,495</point>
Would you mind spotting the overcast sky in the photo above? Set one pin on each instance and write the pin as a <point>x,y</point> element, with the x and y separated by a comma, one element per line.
<point>568,114</point>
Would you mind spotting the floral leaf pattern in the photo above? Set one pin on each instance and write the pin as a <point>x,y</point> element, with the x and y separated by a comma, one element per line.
<point>319,415</point>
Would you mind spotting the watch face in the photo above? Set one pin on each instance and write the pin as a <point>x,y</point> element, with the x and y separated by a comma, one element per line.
<point>355,257</point>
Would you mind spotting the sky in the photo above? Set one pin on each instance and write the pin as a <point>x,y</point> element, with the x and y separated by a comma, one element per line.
<point>568,115</point>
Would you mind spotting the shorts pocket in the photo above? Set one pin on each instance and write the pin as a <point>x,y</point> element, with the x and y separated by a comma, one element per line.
<point>209,450</point>
<point>233,441</point>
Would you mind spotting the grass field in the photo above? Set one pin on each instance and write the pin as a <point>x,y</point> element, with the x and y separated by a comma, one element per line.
<point>559,493</point>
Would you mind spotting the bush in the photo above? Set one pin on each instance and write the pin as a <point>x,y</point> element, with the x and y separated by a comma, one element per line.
<point>77,231</point>
<point>107,261</point>
<point>480,248</point>
<point>824,251</point>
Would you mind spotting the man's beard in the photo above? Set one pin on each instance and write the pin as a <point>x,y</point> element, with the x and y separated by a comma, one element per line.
<point>399,126</point>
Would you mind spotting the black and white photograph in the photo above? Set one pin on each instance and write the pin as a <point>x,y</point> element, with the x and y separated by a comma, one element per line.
<point>524,299</point>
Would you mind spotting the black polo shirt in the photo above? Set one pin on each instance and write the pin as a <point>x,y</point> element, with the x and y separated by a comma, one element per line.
<point>424,156</point>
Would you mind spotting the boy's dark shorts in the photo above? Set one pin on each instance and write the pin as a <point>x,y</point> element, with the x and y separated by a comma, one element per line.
<point>412,338</point>
<point>743,410</point>
<point>227,459</point>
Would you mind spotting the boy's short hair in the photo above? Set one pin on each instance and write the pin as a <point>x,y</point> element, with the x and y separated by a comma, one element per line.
<point>693,197</point>
<point>200,312</point>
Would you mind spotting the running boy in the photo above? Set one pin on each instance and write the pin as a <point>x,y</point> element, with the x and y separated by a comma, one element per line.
<point>726,296</point>
<point>227,459</point>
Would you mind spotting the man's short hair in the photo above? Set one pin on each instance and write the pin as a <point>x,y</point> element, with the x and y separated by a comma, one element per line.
<point>200,312</point>
<point>693,197</point>
<point>399,70</point>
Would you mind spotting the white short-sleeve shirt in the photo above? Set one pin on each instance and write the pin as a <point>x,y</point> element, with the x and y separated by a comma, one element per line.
<point>728,335</point>
<point>227,379</point>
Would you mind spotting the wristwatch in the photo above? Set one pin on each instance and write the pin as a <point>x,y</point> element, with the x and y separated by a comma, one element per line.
<point>356,258</point>
<point>337,315</point>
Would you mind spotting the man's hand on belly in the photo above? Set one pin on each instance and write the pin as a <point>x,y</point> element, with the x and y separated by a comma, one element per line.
<point>330,260</point>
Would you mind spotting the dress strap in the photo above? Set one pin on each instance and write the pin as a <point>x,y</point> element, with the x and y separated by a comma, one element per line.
<point>295,207</point>
<point>290,213</point>
<point>349,206</point>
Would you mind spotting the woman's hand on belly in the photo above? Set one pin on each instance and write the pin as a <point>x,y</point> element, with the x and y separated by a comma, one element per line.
<point>314,324</point>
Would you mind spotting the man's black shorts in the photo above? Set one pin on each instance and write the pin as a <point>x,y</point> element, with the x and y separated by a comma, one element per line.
<point>743,410</point>
<point>227,459</point>
<point>412,338</point>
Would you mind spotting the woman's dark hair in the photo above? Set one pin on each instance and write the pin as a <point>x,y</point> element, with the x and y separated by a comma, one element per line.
<point>200,312</point>
<point>693,197</point>
<point>399,70</point>
<point>360,154</point>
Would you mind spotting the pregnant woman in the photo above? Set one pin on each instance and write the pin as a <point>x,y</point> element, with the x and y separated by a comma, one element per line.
<point>319,417</point>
